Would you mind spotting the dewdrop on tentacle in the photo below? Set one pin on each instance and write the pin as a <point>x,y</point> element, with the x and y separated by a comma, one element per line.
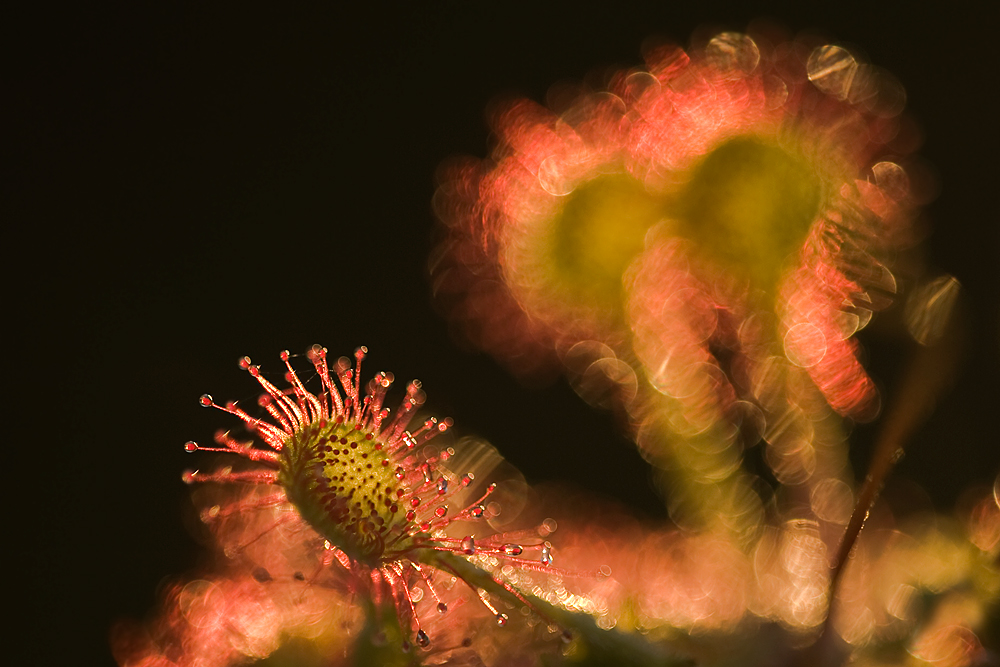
<point>351,468</point>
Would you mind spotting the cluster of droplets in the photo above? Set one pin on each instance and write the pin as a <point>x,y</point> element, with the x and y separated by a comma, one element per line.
<point>364,481</point>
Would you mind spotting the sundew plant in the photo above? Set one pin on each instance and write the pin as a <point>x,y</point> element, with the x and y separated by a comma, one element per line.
<point>693,243</point>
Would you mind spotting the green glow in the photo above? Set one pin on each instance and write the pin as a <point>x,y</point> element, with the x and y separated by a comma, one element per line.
<point>599,231</point>
<point>749,205</point>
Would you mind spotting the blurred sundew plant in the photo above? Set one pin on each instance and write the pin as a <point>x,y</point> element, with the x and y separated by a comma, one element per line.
<point>694,246</point>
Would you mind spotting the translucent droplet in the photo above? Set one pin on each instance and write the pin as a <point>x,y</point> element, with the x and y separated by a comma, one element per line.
<point>512,549</point>
<point>733,52</point>
<point>422,639</point>
<point>245,363</point>
<point>929,309</point>
<point>468,545</point>
<point>400,473</point>
<point>832,69</point>
<point>555,175</point>
<point>467,479</point>
<point>891,179</point>
<point>832,501</point>
<point>478,511</point>
<point>442,607</point>
<point>502,620</point>
<point>284,355</point>
<point>441,511</point>
<point>205,400</point>
<point>775,91</point>
<point>442,486</point>
<point>546,557</point>
<point>889,99</point>
<point>637,84</point>
<point>805,344</point>
<point>190,446</point>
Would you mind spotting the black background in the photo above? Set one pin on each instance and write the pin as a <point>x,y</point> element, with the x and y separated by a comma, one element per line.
<point>197,181</point>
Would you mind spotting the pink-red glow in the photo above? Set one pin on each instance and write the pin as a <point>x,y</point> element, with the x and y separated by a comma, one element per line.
<point>276,579</point>
<point>346,499</point>
<point>701,584</point>
<point>504,269</point>
<point>270,586</point>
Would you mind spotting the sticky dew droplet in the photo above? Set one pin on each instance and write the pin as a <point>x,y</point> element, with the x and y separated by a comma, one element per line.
<point>546,557</point>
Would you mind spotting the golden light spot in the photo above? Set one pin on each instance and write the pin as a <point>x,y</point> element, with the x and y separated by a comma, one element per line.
<point>750,204</point>
<point>599,231</point>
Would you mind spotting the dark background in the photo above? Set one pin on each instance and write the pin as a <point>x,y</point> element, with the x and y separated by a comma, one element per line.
<point>197,181</point>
